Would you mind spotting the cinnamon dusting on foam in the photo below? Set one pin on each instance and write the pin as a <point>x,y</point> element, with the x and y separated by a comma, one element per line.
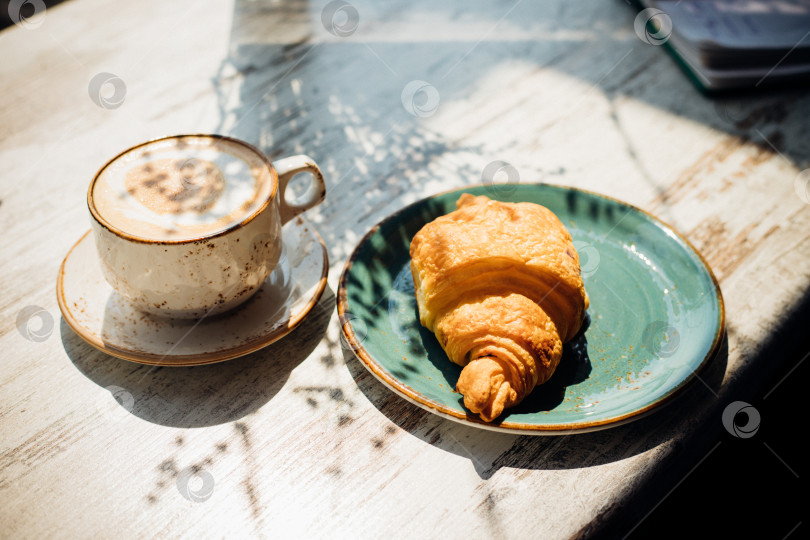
<point>174,186</point>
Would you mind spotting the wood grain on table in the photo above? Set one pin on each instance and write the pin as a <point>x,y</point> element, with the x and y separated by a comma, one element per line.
<point>298,439</point>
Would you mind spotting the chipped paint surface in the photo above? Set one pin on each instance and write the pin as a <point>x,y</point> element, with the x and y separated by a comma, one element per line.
<point>565,93</point>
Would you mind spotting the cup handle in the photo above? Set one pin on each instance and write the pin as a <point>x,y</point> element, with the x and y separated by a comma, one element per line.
<point>287,168</point>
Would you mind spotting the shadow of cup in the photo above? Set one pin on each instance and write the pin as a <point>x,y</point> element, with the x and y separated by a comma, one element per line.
<point>200,395</point>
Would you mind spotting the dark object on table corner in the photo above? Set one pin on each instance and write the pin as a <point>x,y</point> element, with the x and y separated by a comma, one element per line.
<point>726,46</point>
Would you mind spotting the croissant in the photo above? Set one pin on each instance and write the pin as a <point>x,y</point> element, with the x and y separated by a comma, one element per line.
<point>499,285</point>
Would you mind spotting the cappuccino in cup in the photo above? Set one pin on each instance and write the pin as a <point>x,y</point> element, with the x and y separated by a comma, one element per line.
<point>179,189</point>
<point>190,225</point>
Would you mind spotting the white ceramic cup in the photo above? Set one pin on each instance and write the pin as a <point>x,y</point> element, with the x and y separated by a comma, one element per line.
<point>205,275</point>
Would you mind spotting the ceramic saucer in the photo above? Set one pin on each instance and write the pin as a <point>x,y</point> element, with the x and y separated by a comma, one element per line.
<point>109,323</point>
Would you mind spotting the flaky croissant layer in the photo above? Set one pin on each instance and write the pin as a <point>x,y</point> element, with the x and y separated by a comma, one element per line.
<point>499,284</point>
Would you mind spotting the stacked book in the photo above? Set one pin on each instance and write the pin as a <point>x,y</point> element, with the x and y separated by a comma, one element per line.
<point>731,44</point>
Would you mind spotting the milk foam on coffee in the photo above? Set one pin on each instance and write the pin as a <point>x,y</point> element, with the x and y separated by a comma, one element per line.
<point>180,189</point>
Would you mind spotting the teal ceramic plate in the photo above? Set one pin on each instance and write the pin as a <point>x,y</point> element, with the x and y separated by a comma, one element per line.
<point>655,318</point>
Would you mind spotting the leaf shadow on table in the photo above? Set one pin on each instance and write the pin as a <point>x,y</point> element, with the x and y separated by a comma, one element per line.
<point>341,97</point>
<point>288,85</point>
<point>205,395</point>
<point>490,451</point>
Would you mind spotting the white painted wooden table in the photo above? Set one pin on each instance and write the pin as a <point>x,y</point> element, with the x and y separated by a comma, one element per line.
<point>297,440</point>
